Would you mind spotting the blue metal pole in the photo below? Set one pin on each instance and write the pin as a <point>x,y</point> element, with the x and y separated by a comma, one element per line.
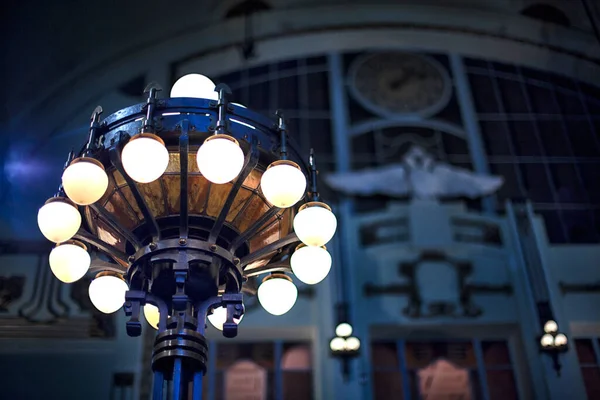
<point>157,391</point>
<point>197,391</point>
<point>177,378</point>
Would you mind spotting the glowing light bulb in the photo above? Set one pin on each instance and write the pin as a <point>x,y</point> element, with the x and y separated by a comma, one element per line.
<point>547,340</point>
<point>310,264</point>
<point>85,181</point>
<point>277,294</point>
<point>220,158</point>
<point>219,316</point>
<point>194,85</point>
<point>560,339</point>
<point>550,327</point>
<point>69,261</point>
<point>344,329</point>
<point>59,219</point>
<point>352,344</point>
<point>337,344</point>
<point>107,292</point>
<point>283,183</point>
<point>152,315</point>
<point>315,224</point>
<point>145,157</point>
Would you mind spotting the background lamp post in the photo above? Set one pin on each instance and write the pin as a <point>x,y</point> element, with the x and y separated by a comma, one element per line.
<point>191,199</point>
<point>553,342</point>
<point>344,346</point>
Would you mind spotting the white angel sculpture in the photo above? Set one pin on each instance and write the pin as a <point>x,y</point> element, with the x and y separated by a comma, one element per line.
<point>418,175</point>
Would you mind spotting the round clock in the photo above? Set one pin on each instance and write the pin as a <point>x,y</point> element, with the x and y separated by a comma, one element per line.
<point>394,83</point>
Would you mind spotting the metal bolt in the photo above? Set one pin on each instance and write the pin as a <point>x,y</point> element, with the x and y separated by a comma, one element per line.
<point>213,247</point>
<point>152,246</point>
<point>128,304</point>
<point>238,307</point>
<point>236,261</point>
<point>182,242</point>
<point>131,259</point>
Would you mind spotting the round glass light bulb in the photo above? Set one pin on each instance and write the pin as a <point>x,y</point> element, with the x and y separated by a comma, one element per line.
<point>560,339</point>
<point>547,340</point>
<point>194,85</point>
<point>283,183</point>
<point>311,264</point>
<point>315,224</point>
<point>337,344</point>
<point>152,315</point>
<point>85,181</point>
<point>107,293</point>
<point>219,316</point>
<point>550,327</point>
<point>69,261</point>
<point>59,219</point>
<point>220,159</point>
<point>145,158</point>
<point>352,343</point>
<point>277,294</point>
<point>344,329</point>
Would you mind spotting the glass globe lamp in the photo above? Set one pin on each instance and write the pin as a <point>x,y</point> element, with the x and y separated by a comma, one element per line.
<point>283,183</point>
<point>337,344</point>
<point>277,294</point>
<point>560,339</point>
<point>145,157</point>
<point>220,158</point>
<point>315,224</point>
<point>352,344</point>
<point>550,327</point>
<point>85,181</point>
<point>219,316</point>
<point>547,340</point>
<point>194,85</point>
<point>69,261</point>
<point>152,315</point>
<point>310,264</point>
<point>344,329</point>
<point>107,292</point>
<point>59,219</point>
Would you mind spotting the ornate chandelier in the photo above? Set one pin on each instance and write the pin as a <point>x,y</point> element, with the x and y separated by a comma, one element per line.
<point>182,202</point>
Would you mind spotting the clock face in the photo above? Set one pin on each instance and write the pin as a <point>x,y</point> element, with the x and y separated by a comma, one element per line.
<point>395,83</point>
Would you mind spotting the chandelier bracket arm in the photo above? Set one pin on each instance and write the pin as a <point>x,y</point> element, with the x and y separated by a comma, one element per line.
<point>101,265</point>
<point>257,255</point>
<point>114,224</point>
<point>115,159</point>
<point>266,217</point>
<point>249,164</point>
<point>152,89</point>
<point>276,267</point>
<point>112,251</point>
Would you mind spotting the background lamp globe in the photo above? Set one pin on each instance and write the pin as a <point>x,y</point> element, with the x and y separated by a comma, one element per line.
<point>194,85</point>
<point>315,224</point>
<point>550,327</point>
<point>59,219</point>
<point>277,294</point>
<point>547,340</point>
<point>145,158</point>
<point>560,339</point>
<point>344,329</point>
<point>85,181</point>
<point>69,261</point>
<point>220,159</point>
<point>283,183</point>
<point>219,316</point>
<point>107,293</point>
<point>310,264</point>
<point>352,343</point>
<point>337,344</point>
<point>152,315</point>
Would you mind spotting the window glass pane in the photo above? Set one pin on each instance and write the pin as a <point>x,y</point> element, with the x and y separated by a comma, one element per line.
<point>567,184</point>
<point>591,381</point>
<point>495,353</point>
<point>318,98</point>
<point>296,357</point>
<point>585,351</point>
<point>542,100</point>
<point>524,138</point>
<point>387,385</point>
<point>583,142</point>
<point>496,138</point>
<point>320,136</point>
<point>512,96</point>
<point>454,144</point>
<point>421,354</point>
<point>569,103</point>
<point>260,353</point>
<point>510,187</point>
<point>384,355</point>
<point>288,93</point>
<point>501,385</point>
<point>259,98</point>
<point>554,228</point>
<point>580,226</point>
<point>554,139</point>
<point>589,174</point>
<point>535,180</point>
<point>297,385</point>
<point>483,94</point>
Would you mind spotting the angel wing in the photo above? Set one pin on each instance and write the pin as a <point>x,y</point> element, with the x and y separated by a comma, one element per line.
<point>391,180</point>
<point>454,181</point>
